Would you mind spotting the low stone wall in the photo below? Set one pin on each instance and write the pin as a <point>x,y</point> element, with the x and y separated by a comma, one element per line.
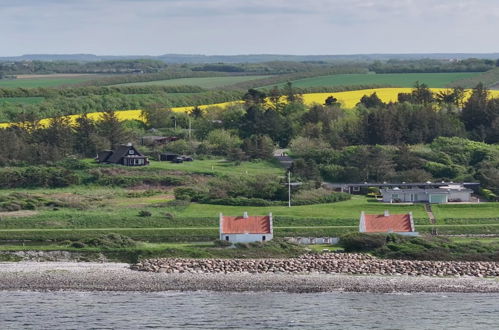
<point>329,263</point>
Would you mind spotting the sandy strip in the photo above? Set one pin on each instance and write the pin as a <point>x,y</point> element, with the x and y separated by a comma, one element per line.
<point>118,277</point>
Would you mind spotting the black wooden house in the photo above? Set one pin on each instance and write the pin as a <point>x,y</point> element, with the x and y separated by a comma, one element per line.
<point>124,155</point>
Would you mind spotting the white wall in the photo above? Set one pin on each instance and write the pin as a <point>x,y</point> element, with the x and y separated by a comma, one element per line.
<point>246,238</point>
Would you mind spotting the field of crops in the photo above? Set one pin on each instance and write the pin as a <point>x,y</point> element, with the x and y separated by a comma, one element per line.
<point>204,82</point>
<point>390,79</point>
<point>46,81</point>
<point>347,99</point>
<point>21,100</point>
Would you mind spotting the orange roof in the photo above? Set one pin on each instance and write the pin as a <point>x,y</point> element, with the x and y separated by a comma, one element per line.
<point>379,223</point>
<point>249,225</point>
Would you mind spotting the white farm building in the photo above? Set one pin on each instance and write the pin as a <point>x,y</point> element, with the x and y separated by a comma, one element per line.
<point>245,229</point>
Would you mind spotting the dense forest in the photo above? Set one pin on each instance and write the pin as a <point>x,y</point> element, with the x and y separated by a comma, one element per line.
<point>424,136</point>
<point>149,66</point>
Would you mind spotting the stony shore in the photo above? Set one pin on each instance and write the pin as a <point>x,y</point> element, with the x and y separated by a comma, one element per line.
<point>119,277</point>
<point>328,263</point>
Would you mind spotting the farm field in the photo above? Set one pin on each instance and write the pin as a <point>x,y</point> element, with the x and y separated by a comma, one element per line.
<point>204,82</point>
<point>435,80</point>
<point>21,100</point>
<point>46,80</point>
<point>348,99</point>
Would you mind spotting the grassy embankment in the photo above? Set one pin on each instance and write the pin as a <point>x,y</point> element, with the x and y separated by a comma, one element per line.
<point>88,211</point>
<point>204,82</point>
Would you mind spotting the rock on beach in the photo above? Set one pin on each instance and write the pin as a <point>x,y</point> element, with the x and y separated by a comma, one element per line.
<point>329,263</point>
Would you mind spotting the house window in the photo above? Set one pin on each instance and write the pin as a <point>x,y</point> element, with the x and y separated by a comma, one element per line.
<point>394,196</point>
<point>356,188</point>
<point>263,238</point>
<point>131,152</point>
<point>226,238</point>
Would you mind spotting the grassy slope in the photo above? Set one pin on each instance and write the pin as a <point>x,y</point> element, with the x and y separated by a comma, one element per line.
<point>396,79</point>
<point>204,82</point>
<point>113,209</point>
<point>207,166</point>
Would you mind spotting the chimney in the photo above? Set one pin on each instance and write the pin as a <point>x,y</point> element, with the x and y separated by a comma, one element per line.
<point>387,213</point>
<point>129,144</point>
<point>245,215</point>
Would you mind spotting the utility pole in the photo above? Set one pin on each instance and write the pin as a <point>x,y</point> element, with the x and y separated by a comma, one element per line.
<point>289,188</point>
<point>190,128</point>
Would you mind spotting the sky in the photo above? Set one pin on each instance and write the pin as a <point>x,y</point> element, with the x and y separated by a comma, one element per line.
<point>229,27</point>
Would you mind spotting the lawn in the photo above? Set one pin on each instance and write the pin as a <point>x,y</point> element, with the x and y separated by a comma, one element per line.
<point>392,79</point>
<point>341,210</point>
<point>466,211</point>
<point>204,82</point>
<point>210,167</point>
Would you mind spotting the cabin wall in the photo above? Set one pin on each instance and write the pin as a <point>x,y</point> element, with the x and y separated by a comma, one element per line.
<point>245,238</point>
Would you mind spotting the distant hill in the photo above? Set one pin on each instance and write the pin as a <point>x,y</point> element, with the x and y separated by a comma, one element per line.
<point>256,58</point>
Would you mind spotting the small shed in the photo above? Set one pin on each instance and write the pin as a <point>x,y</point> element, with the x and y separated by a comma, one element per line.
<point>245,229</point>
<point>126,155</point>
<point>402,224</point>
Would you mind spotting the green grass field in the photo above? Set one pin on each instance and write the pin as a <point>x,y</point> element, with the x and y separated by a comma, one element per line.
<point>47,81</point>
<point>486,212</point>
<point>393,79</point>
<point>204,82</point>
<point>210,167</point>
<point>21,100</point>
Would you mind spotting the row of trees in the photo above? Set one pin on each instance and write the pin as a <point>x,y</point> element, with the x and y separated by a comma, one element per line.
<point>113,66</point>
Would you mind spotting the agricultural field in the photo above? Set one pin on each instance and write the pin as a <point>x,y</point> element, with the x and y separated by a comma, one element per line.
<point>21,100</point>
<point>348,100</point>
<point>434,80</point>
<point>204,82</point>
<point>33,81</point>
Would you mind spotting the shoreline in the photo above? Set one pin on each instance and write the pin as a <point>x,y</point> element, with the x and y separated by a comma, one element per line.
<point>73,276</point>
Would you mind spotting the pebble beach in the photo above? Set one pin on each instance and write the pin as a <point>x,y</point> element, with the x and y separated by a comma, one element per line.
<point>50,276</point>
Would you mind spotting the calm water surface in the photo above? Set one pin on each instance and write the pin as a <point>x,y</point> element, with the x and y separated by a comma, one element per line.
<point>207,310</point>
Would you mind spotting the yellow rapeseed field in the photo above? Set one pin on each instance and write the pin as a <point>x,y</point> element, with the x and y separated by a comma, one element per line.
<point>347,99</point>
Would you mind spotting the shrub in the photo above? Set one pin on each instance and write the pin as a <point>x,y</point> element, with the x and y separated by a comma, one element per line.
<point>362,242</point>
<point>111,241</point>
<point>221,243</point>
<point>144,213</point>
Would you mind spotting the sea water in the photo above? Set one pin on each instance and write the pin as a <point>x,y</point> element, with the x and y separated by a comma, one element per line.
<point>263,310</point>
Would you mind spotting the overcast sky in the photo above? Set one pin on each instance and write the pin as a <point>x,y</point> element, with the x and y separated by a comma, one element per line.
<point>154,27</point>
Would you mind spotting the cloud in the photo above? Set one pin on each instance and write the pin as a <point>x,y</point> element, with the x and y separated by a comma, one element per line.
<point>247,26</point>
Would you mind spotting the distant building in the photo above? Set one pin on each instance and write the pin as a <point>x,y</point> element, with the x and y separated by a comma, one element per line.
<point>402,224</point>
<point>364,187</point>
<point>440,195</point>
<point>124,155</point>
<point>245,229</point>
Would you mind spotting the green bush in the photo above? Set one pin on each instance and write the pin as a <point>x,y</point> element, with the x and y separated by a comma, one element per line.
<point>221,243</point>
<point>111,240</point>
<point>144,213</point>
<point>37,176</point>
<point>354,242</point>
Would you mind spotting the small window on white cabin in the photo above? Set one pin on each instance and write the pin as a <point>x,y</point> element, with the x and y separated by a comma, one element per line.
<point>356,188</point>
<point>131,152</point>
